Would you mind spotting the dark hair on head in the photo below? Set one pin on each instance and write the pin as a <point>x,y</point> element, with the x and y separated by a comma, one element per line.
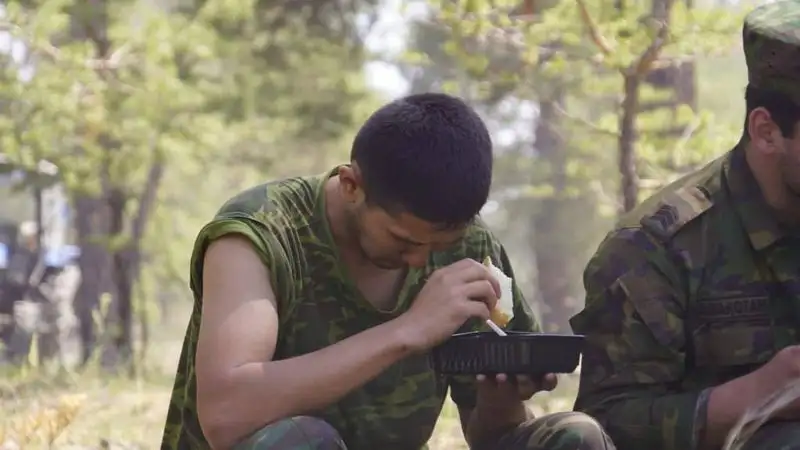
<point>429,155</point>
<point>784,112</point>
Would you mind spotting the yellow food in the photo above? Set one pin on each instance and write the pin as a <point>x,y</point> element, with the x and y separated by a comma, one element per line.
<point>499,317</point>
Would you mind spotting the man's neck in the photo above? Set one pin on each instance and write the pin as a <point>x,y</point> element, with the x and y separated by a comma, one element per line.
<point>343,234</point>
<point>337,221</point>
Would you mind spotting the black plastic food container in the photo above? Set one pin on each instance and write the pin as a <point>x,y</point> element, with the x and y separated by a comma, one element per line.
<point>518,353</point>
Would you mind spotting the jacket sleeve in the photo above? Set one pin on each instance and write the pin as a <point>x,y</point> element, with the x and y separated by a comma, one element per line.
<point>633,363</point>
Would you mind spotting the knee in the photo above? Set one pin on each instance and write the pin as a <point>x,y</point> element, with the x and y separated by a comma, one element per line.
<point>318,430</point>
<point>576,431</point>
<point>295,433</point>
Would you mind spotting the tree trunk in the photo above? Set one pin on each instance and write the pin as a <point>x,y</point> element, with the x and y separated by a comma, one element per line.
<point>631,103</point>
<point>147,203</point>
<point>549,246</point>
<point>119,352</point>
<point>127,262</point>
<point>629,182</point>
<point>679,81</point>
<point>104,211</point>
<point>91,223</point>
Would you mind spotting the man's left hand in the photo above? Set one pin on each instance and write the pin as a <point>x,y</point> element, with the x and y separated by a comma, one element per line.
<point>502,391</point>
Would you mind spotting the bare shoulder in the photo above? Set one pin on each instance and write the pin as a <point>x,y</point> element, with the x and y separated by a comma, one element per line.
<point>239,315</point>
<point>233,270</point>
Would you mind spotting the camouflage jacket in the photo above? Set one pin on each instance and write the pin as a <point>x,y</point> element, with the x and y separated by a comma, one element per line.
<point>319,306</point>
<point>695,287</point>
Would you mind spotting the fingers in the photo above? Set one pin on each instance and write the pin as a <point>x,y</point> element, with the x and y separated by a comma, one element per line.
<point>502,388</point>
<point>499,378</point>
<point>530,384</point>
<point>468,270</point>
<point>522,387</point>
<point>550,382</point>
<point>480,291</point>
<point>474,308</point>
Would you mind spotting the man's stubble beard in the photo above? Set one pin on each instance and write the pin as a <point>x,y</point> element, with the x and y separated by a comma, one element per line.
<point>790,172</point>
<point>355,231</point>
<point>793,209</point>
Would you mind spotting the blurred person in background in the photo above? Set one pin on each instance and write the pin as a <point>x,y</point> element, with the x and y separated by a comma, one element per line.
<point>693,303</point>
<point>22,261</point>
<point>317,300</point>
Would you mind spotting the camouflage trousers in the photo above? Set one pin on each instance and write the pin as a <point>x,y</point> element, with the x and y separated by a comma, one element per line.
<point>775,436</point>
<point>560,431</point>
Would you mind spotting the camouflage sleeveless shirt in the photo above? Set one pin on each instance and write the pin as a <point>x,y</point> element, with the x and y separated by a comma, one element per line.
<point>319,306</point>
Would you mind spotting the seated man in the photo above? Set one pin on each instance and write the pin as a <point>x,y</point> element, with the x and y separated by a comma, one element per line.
<point>317,300</point>
<point>693,303</point>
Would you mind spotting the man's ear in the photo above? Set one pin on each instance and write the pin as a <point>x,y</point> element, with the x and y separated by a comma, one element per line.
<point>350,183</point>
<point>765,135</point>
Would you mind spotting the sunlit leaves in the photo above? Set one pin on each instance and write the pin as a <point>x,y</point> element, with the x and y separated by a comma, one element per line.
<point>216,95</point>
<point>562,47</point>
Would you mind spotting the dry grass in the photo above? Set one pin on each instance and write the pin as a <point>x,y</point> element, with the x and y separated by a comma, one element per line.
<point>121,414</point>
<point>90,411</point>
<point>85,414</point>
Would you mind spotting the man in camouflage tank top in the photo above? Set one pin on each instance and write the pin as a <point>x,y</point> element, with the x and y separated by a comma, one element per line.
<point>317,299</point>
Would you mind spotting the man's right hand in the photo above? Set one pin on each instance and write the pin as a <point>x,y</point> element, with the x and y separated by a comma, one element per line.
<point>451,296</point>
<point>782,369</point>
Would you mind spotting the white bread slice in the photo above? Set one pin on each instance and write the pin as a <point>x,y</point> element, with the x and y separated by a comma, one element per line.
<point>504,310</point>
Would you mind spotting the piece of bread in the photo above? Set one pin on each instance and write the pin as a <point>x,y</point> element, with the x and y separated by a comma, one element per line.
<point>504,310</point>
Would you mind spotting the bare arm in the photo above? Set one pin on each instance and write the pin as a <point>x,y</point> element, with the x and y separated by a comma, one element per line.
<point>634,360</point>
<point>726,405</point>
<point>481,425</point>
<point>239,388</point>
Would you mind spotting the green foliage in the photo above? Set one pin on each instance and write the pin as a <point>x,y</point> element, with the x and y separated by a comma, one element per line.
<point>84,112</point>
<point>584,52</point>
<point>217,95</point>
<point>572,56</point>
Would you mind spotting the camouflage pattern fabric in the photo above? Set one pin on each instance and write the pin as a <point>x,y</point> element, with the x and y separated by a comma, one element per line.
<point>771,38</point>
<point>295,433</point>
<point>697,286</point>
<point>561,431</point>
<point>319,305</point>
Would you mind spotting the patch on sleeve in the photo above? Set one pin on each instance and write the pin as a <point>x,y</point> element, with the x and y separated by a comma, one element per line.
<point>675,210</point>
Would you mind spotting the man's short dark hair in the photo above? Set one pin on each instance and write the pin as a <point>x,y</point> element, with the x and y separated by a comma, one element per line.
<point>784,112</point>
<point>429,155</point>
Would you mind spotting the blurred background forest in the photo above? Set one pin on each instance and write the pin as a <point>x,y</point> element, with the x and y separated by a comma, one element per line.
<point>126,123</point>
